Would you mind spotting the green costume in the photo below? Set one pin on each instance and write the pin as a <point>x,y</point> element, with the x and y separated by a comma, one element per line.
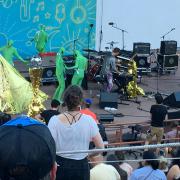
<point>60,70</point>
<point>41,38</point>
<point>80,67</point>
<point>9,52</point>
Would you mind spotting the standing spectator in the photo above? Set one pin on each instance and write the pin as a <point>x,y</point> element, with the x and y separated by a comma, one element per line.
<point>87,111</point>
<point>102,171</point>
<point>27,150</point>
<point>47,114</point>
<point>174,171</point>
<point>158,115</point>
<point>150,170</point>
<point>73,131</point>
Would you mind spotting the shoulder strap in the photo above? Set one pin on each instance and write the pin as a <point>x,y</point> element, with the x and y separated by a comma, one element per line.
<point>149,174</point>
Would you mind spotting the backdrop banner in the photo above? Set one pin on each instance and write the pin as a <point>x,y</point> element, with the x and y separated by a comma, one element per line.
<point>65,21</point>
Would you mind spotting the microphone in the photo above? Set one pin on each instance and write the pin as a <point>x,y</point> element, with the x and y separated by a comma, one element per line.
<point>111,23</point>
<point>91,25</point>
<point>172,29</point>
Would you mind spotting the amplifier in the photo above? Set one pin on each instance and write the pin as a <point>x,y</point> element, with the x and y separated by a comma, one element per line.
<point>108,100</point>
<point>141,48</point>
<point>106,117</point>
<point>167,61</point>
<point>142,61</point>
<point>168,47</point>
<point>49,74</point>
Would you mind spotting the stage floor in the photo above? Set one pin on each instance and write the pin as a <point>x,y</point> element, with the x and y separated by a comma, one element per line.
<point>167,83</point>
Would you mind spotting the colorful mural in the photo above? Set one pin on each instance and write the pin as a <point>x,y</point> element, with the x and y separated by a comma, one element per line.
<point>65,21</point>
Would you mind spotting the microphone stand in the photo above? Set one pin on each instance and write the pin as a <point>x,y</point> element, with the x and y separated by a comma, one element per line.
<point>101,31</point>
<point>167,33</point>
<point>89,35</point>
<point>123,31</point>
<point>74,44</point>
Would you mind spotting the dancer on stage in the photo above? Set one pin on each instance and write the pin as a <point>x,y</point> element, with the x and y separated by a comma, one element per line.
<point>15,92</point>
<point>9,52</point>
<point>80,68</point>
<point>41,38</point>
<point>60,72</point>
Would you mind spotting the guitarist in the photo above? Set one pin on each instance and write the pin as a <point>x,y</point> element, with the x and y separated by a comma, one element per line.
<point>108,67</point>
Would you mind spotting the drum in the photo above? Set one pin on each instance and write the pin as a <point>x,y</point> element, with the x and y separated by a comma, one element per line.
<point>93,71</point>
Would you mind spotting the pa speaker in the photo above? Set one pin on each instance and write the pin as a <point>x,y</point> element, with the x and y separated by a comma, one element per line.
<point>108,100</point>
<point>142,61</point>
<point>173,100</point>
<point>49,74</point>
<point>168,47</point>
<point>141,48</point>
<point>106,117</point>
<point>168,60</point>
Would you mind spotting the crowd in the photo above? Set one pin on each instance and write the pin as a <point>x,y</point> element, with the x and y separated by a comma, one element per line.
<point>32,150</point>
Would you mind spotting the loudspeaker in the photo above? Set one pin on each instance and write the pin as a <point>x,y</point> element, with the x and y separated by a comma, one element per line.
<point>142,61</point>
<point>172,100</point>
<point>49,74</point>
<point>168,47</point>
<point>141,48</point>
<point>108,100</point>
<point>168,60</point>
<point>106,117</point>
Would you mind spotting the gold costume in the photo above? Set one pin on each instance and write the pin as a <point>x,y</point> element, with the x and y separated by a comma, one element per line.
<point>16,93</point>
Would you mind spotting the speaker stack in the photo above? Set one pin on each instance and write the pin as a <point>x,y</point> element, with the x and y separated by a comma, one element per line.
<point>167,58</point>
<point>142,51</point>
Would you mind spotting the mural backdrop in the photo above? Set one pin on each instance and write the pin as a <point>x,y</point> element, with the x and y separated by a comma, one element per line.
<point>65,20</point>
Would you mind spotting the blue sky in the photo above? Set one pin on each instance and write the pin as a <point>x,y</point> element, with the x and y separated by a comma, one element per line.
<point>145,21</point>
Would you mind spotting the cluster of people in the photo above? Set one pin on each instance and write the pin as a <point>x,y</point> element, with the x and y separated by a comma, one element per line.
<point>32,150</point>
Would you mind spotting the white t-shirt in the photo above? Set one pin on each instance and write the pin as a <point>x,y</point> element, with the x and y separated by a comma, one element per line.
<point>73,137</point>
<point>104,172</point>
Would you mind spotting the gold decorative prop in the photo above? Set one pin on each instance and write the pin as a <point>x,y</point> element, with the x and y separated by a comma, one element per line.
<point>36,106</point>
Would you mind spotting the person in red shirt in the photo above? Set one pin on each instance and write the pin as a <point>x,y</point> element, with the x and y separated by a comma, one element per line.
<point>87,110</point>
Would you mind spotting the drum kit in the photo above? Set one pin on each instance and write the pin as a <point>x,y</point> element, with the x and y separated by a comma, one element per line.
<point>123,64</point>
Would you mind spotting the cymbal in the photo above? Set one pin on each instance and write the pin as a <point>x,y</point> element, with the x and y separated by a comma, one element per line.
<point>90,50</point>
<point>112,42</point>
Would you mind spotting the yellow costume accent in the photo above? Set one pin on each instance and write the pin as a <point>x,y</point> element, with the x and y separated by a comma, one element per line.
<point>132,88</point>
<point>15,92</point>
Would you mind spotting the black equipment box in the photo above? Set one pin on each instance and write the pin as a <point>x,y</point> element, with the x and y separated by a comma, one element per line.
<point>141,48</point>
<point>168,61</point>
<point>168,47</point>
<point>108,100</point>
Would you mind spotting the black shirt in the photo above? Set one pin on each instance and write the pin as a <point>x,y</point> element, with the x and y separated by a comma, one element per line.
<point>158,112</point>
<point>47,114</point>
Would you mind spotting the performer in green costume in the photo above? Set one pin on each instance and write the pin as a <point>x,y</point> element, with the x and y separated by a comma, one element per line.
<point>9,52</point>
<point>41,38</point>
<point>60,70</point>
<point>80,67</point>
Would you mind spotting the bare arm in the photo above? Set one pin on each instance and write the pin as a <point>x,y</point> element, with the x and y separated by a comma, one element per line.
<point>18,56</point>
<point>98,141</point>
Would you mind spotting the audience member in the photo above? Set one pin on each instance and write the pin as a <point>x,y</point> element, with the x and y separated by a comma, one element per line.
<point>123,165</point>
<point>102,171</point>
<point>47,114</point>
<point>174,171</point>
<point>73,131</point>
<point>158,115</point>
<point>27,150</point>
<point>4,117</point>
<point>87,111</point>
<point>113,160</point>
<point>150,170</point>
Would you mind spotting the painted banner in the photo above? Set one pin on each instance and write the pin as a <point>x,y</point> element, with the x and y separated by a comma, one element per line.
<point>65,21</point>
